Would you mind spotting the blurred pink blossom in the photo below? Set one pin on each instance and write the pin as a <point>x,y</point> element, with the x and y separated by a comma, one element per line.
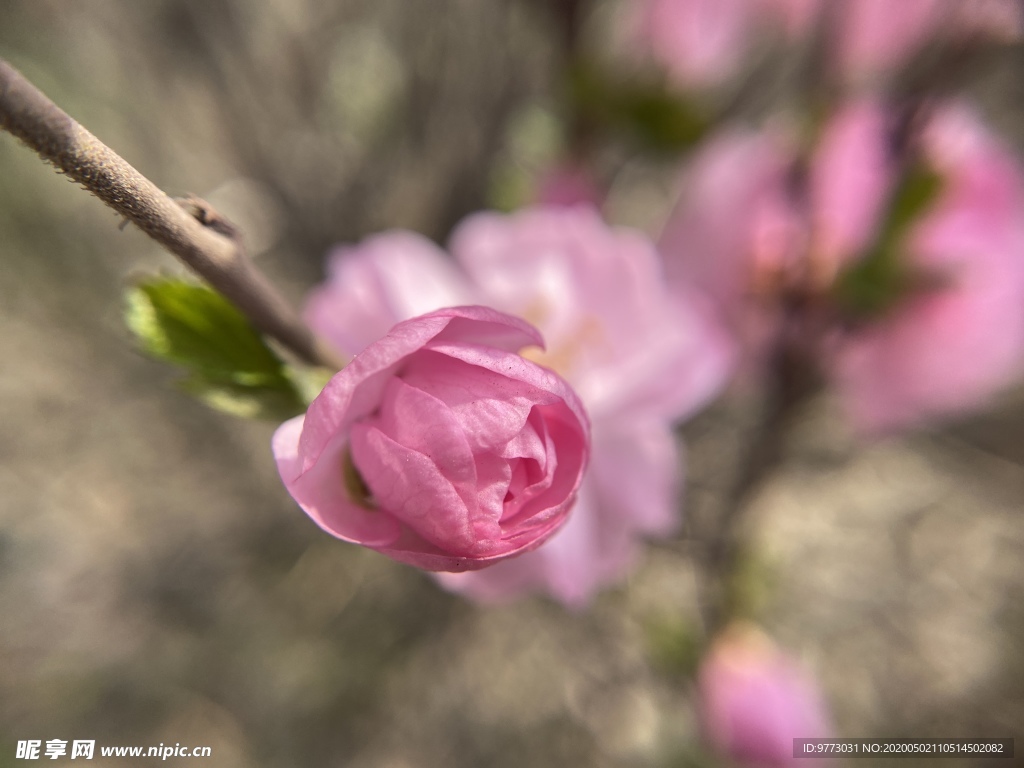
<point>638,359</point>
<point>945,350</point>
<point>568,184</point>
<point>734,230</point>
<point>701,43</point>
<point>850,179</point>
<point>698,42</point>
<point>754,701</point>
<point>874,37</point>
<point>439,446</point>
<point>742,233</point>
<point>796,17</point>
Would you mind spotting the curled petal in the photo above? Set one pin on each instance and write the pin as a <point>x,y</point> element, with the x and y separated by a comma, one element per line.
<point>406,450</point>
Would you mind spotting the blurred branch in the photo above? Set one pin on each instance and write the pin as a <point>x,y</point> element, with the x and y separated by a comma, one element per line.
<point>209,251</point>
<point>792,379</point>
<point>569,14</point>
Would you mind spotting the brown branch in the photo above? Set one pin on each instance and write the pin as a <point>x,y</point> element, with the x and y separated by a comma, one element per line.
<point>29,115</point>
<point>792,379</point>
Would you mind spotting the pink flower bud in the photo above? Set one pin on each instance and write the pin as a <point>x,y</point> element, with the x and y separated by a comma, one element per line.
<point>754,701</point>
<point>439,446</point>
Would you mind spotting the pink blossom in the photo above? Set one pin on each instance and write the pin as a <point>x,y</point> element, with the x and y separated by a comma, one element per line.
<point>700,43</point>
<point>754,701</point>
<point>874,37</point>
<point>734,231</point>
<point>385,279</point>
<point>638,360</point>
<point>568,184</point>
<point>945,350</point>
<point>851,177</point>
<point>597,295</point>
<point>796,17</point>
<point>438,445</point>
<point>742,234</point>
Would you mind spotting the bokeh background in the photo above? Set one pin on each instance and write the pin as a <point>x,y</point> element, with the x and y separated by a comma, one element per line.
<point>157,584</point>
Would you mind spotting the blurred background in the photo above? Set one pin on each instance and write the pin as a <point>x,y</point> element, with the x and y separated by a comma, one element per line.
<point>158,585</point>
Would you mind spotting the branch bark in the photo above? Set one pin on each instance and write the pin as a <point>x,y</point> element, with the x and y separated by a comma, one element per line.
<point>792,380</point>
<point>28,114</point>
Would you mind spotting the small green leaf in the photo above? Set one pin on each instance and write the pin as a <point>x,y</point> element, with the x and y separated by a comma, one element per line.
<point>192,325</point>
<point>662,120</point>
<point>228,365</point>
<point>873,285</point>
<point>877,282</point>
<point>657,117</point>
<point>673,645</point>
<point>917,191</point>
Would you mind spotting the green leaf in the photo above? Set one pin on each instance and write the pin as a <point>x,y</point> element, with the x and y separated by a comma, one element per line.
<point>192,325</point>
<point>917,191</point>
<point>662,120</point>
<point>659,118</point>
<point>880,280</point>
<point>673,645</point>
<point>227,363</point>
<point>873,285</point>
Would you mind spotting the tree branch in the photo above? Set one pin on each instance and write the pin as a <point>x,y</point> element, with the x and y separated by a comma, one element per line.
<point>29,115</point>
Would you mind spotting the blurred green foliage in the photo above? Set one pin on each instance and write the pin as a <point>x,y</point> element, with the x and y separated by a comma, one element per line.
<point>656,117</point>
<point>877,282</point>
